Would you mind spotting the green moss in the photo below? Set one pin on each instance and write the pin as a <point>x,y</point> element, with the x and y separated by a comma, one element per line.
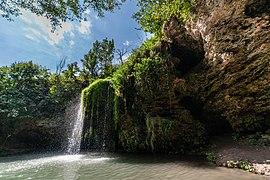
<point>211,157</point>
<point>173,135</point>
<point>92,91</point>
<point>150,132</point>
<point>246,123</point>
<point>98,105</point>
<point>245,165</point>
<point>131,135</point>
<point>117,110</point>
<point>145,112</point>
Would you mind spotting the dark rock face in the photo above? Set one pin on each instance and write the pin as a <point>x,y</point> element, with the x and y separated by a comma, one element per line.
<point>233,79</point>
<point>220,82</point>
<point>257,8</point>
<point>186,49</point>
<point>20,135</point>
<point>152,118</point>
<point>38,133</point>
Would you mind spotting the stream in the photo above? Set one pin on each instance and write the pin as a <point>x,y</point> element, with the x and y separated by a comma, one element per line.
<point>104,166</point>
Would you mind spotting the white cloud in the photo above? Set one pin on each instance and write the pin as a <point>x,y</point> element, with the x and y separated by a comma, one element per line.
<point>71,43</point>
<point>96,17</point>
<point>87,11</point>
<point>72,35</point>
<point>32,34</point>
<point>26,19</point>
<point>126,43</point>
<point>84,27</point>
<point>52,37</point>
<point>35,32</point>
<point>29,36</point>
<point>44,29</point>
<point>126,56</point>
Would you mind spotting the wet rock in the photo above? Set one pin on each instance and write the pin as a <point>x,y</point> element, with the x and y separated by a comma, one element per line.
<point>38,134</point>
<point>233,79</point>
<point>176,134</point>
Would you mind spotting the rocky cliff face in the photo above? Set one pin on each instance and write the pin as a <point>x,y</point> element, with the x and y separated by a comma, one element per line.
<point>219,81</point>
<point>232,82</point>
<point>20,135</point>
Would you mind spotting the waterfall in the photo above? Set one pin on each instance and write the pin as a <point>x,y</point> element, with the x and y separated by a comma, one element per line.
<point>76,118</point>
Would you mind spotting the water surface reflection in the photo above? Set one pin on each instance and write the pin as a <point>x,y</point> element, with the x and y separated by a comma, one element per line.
<point>95,166</point>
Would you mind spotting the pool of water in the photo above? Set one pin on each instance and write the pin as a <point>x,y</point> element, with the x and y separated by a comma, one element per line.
<point>96,166</point>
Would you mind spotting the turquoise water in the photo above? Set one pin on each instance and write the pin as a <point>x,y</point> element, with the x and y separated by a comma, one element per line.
<point>95,166</point>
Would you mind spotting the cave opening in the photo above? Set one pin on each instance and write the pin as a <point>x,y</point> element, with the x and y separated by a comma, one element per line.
<point>214,123</point>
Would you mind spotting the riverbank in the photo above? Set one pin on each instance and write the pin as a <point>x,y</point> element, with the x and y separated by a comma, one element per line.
<point>231,153</point>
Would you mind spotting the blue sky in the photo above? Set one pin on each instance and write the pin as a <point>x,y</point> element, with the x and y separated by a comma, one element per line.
<point>29,37</point>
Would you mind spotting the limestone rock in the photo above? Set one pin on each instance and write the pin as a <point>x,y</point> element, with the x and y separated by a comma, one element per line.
<point>233,79</point>
<point>186,48</point>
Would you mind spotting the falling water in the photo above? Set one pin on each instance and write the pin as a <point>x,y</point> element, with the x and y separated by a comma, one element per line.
<point>74,139</point>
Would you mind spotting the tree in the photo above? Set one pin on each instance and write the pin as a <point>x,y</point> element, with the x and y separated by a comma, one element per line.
<point>106,57</point>
<point>121,54</point>
<point>64,87</point>
<point>90,63</point>
<point>98,62</point>
<point>153,14</point>
<point>57,11</point>
<point>23,87</point>
<point>61,65</point>
<point>72,70</point>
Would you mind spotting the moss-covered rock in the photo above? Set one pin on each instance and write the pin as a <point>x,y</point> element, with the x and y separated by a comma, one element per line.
<point>99,130</point>
<point>145,114</point>
<point>211,77</point>
<point>179,135</point>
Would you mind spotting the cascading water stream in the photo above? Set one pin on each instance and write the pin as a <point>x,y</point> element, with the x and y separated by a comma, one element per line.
<point>74,139</point>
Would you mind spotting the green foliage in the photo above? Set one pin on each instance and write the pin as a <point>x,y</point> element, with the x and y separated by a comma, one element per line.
<point>63,88</point>
<point>153,14</point>
<point>23,90</point>
<point>245,165</point>
<point>147,75</point>
<point>98,62</point>
<point>122,74</point>
<point>211,157</point>
<point>127,70</point>
<point>27,89</point>
<point>72,71</point>
<point>258,138</point>
<point>106,55</point>
<point>57,11</point>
